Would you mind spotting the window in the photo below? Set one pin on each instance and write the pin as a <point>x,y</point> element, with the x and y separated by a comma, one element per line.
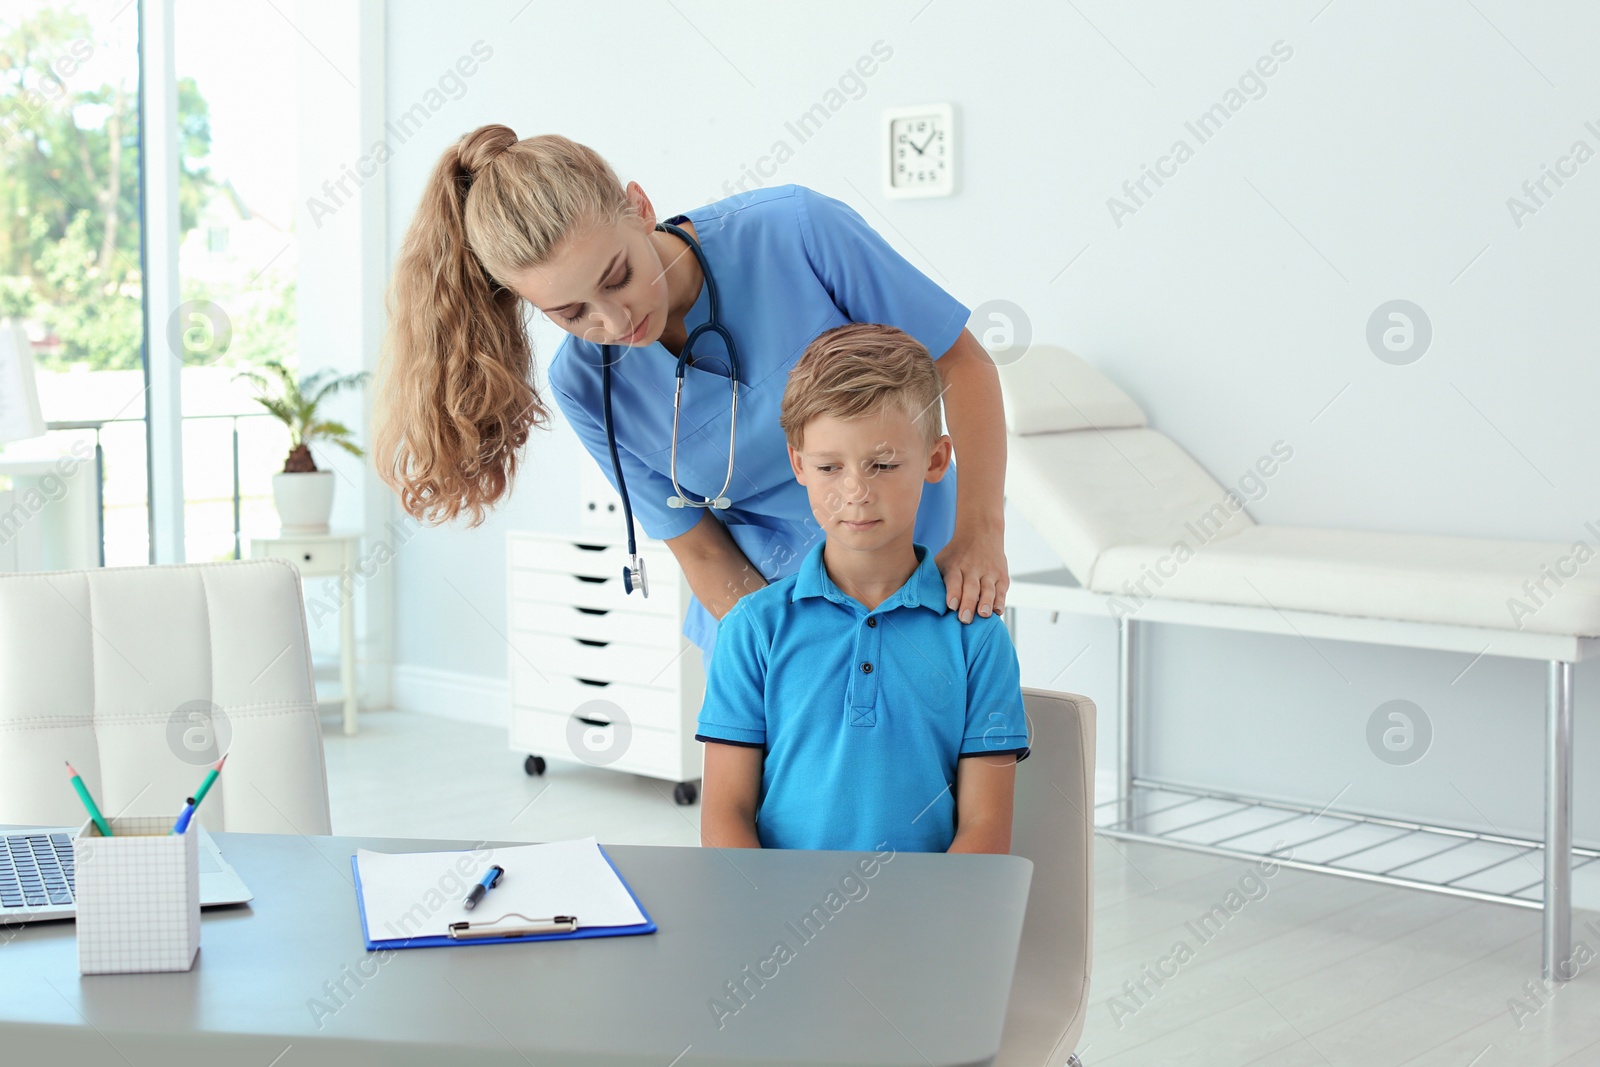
<point>70,239</point>
<point>236,262</point>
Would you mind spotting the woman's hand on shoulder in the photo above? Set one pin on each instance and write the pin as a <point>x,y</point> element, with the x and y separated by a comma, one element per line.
<point>975,574</point>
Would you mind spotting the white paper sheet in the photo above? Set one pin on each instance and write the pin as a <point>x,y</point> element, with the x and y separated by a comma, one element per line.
<point>419,894</point>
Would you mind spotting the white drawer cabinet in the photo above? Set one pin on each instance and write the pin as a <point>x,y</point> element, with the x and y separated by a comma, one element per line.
<point>598,675</point>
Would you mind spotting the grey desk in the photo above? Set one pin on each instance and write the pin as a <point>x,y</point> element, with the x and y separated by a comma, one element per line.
<point>915,972</point>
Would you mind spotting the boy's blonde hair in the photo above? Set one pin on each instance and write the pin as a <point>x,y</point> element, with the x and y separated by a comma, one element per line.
<point>860,369</point>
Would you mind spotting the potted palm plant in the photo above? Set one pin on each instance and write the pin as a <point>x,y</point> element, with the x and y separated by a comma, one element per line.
<point>303,494</point>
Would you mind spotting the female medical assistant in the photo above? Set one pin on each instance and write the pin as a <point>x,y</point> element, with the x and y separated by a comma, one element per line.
<point>788,264</point>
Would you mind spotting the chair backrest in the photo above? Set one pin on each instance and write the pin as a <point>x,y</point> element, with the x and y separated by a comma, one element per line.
<point>1088,474</point>
<point>1053,825</point>
<point>141,676</point>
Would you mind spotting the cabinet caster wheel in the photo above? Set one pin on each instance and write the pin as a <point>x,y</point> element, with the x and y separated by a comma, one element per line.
<point>684,793</point>
<point>534,765</point>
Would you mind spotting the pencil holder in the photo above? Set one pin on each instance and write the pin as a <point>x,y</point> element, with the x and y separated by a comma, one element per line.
<point>138,896</point>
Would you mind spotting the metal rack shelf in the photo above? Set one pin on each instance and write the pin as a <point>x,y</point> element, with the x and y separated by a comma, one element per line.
<point>1402,858</point>
<point>1464,863</point>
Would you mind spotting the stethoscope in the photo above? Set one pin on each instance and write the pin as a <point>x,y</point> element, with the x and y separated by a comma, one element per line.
<point>633,576</point>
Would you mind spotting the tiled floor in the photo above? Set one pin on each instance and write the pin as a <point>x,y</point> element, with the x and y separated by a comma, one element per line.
<point>1318,970</point>
<point>1306,969</point>
<point>408,775</point>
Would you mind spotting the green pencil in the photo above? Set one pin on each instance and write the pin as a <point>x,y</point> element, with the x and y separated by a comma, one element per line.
<point>211,776</point>
<point>88,801</point>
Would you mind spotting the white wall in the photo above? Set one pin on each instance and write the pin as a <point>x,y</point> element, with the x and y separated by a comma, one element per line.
<point>1232,304</point>
<point>343,268</point>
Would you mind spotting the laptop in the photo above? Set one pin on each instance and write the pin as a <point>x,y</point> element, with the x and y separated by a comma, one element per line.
<point>36,876</point>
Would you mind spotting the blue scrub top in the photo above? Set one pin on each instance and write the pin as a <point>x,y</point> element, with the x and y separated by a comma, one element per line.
<point>789,263</point>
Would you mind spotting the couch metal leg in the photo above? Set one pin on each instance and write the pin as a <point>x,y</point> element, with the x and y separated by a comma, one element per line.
<point>1558,822</point>
<point>1073,1061</point>
<point>1126,647</point>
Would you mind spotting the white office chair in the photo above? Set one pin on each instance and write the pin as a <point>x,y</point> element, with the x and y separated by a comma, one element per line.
<point>118,670</point>
<point>1053,825</point>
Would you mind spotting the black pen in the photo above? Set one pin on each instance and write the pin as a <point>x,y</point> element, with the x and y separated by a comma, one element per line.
<point>491,878</point>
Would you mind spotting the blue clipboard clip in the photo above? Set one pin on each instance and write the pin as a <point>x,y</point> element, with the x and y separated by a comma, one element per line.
<point>560,924</point>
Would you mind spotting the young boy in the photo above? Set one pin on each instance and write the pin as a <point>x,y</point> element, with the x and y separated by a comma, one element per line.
<point>846,706</point>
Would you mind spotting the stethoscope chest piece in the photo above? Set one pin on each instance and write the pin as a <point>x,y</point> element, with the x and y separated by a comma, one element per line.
<point>633,576</point>
<point>719,502</point>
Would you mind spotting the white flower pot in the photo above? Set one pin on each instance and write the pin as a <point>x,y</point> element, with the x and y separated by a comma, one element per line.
<point>304,501</point>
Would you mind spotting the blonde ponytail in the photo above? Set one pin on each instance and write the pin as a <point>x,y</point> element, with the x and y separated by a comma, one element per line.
<point>456,398</point>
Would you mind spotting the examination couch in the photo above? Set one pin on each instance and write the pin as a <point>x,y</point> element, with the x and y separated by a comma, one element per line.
<point>1148,535</point>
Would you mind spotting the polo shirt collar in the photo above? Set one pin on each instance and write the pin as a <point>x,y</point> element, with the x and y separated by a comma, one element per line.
<point>925,588</point>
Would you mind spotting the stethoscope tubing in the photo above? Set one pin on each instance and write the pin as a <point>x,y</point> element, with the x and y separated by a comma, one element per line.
<point>633,574</point>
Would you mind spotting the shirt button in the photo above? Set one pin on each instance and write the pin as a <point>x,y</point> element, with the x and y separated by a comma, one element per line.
<point>872,620</point>
<point>866,668</point>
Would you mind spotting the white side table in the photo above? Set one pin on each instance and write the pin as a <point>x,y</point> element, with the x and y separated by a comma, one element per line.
<point>329,555</point>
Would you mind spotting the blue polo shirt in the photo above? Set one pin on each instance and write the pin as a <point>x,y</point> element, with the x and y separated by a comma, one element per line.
<point>862,714</point>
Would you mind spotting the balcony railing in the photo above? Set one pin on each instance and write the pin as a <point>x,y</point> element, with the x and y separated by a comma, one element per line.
<point>258,454</point>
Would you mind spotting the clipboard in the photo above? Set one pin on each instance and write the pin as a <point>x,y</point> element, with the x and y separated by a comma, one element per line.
<point>569,930</point>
